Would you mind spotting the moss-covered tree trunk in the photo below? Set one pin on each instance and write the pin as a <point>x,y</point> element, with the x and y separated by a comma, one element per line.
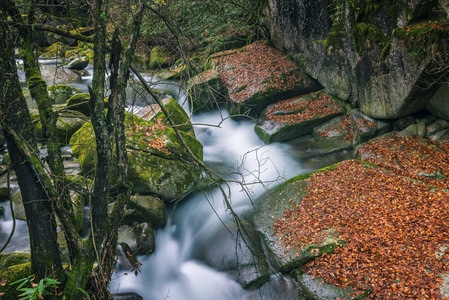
<point>48,118</point>
<point>121,58</point>
<point>35,185</point>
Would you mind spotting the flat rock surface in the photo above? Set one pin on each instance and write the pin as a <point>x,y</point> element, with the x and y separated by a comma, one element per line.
<point>259,74</point>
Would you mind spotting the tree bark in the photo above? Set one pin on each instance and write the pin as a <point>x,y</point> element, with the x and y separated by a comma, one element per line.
<point>34,183</point>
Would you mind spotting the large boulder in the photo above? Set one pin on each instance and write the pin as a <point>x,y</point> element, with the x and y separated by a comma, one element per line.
<point>438,104</point>
<point>159,164</point>
<point>338,229</point>
<point>53,74</point>
<point>77,63</point>
<point>258,75</point>
<point>69,121</point>
<point>372,55</point>
<point>148,209</point>
<point>176,113</point>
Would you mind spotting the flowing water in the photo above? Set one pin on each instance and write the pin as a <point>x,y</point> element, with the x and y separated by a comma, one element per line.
<point>233,149</point>
<point>175,270</point>
<point>172,272</point>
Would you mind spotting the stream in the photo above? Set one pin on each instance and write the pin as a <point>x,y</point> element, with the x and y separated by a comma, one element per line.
<point>197,224</point>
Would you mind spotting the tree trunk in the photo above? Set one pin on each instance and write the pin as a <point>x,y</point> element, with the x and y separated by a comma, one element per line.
<point>34,183</point>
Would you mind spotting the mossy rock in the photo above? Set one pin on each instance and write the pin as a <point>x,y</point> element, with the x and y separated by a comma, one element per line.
<point>4,193</point>
<point>175,111</point>
<point>55,50</point>
<point>13,266</point>
<point>69,121</point>
<point>146,208</point>
<point>60,93</point>
<point>158,162</point>
<point>160,58</point>
<point>82,50</point>
<point>206,91</point>
<point>80,103</point>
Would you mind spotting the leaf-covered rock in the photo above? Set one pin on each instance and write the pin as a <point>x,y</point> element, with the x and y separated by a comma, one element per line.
<point>257,75</point>
<point>296,116</point>
<point>393,226</point>
<point>271,207</point>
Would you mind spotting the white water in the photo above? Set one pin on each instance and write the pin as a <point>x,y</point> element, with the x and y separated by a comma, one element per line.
<point>233,149</point>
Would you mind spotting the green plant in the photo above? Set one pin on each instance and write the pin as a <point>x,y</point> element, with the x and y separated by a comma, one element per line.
<point>37,291</point>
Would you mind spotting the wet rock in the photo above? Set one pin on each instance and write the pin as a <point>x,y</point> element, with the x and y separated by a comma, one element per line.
<point>127,296</point>
<point>145,208</point>
<point>58,75</point>
<point>239,252</point>
<point>296,116</point>
<point>317,289</point>
<point>145,238</point>
<point>278,287</point>
<point>77,63</point>
<point>333,135</point>
<point>206,91</point>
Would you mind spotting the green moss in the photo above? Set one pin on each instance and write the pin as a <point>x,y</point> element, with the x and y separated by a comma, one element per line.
<point>60,93</point>
<point>362,19</point>
<point>159,58</point>
<point>13,266</point>
<point>80,103</point>
<point>363,32</point>
<point>55,50</point>
<point>425,39</point>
